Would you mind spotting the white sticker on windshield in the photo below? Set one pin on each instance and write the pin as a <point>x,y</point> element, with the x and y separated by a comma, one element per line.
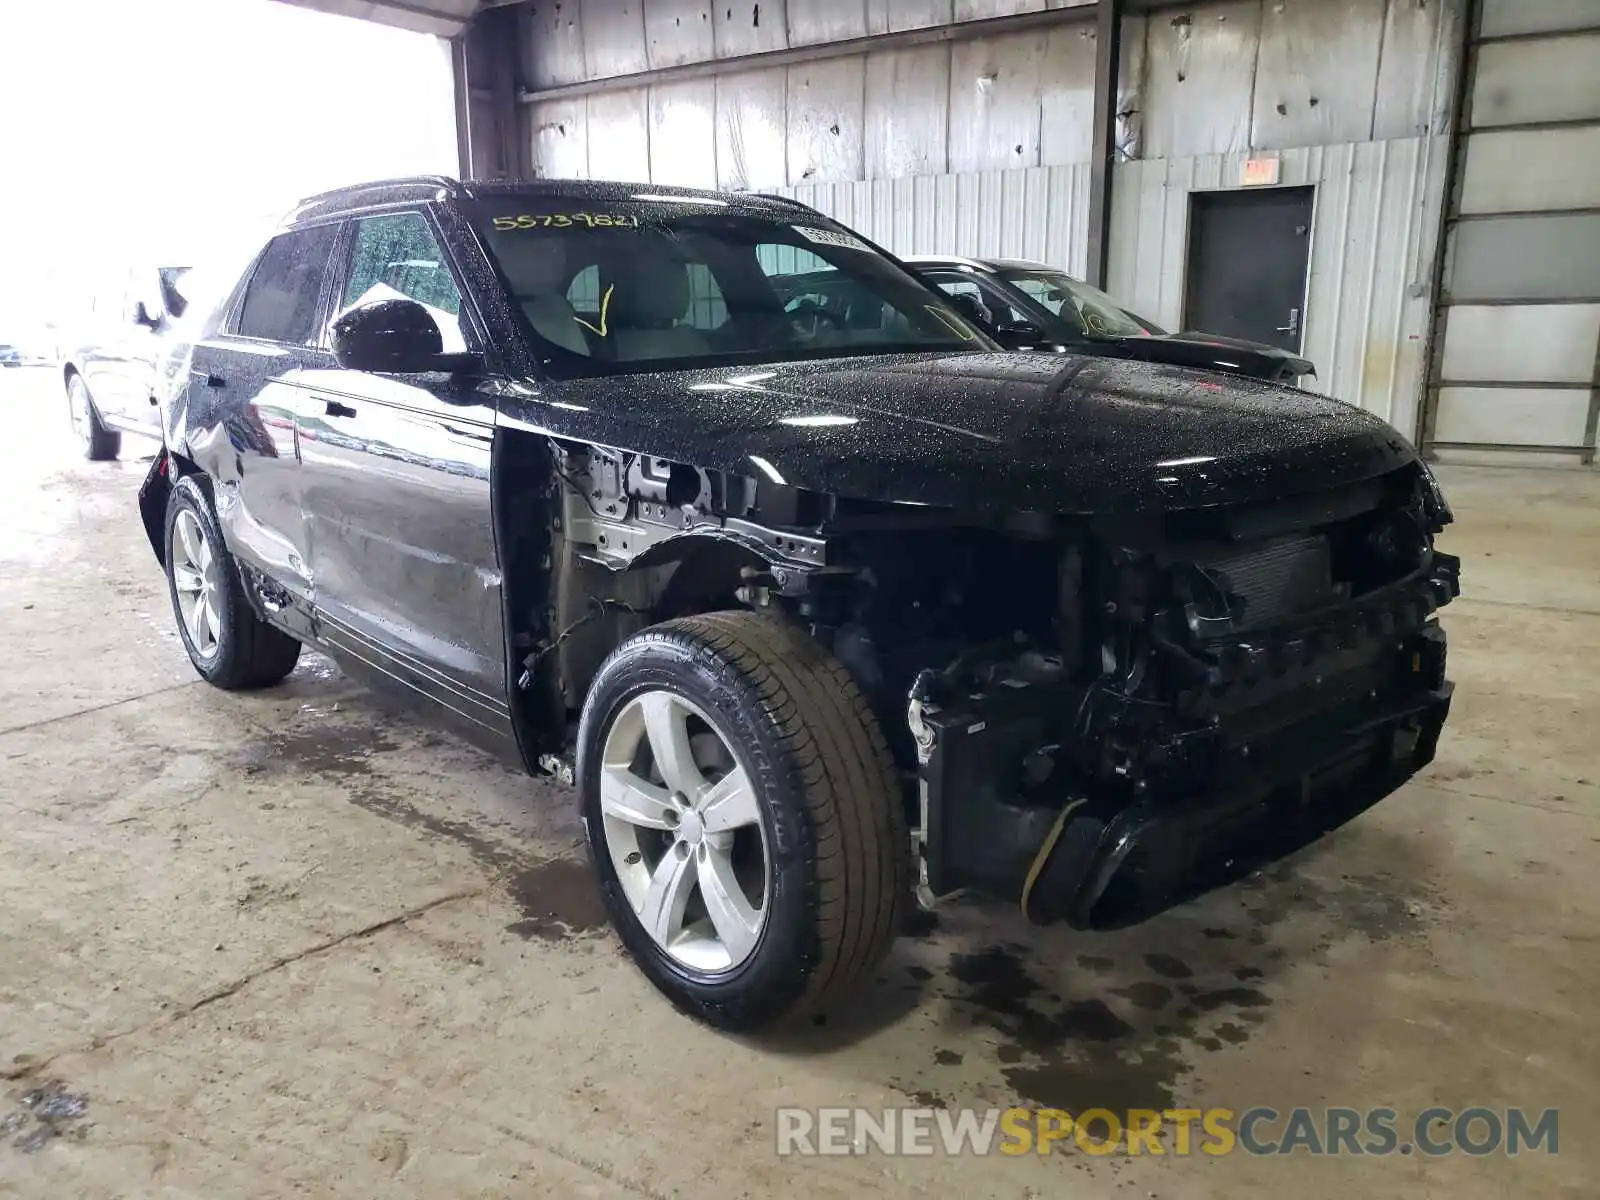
<point>829,237</point>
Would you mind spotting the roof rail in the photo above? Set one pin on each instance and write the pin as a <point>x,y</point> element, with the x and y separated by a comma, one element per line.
<point>367,185</point>
<point>777,199</point>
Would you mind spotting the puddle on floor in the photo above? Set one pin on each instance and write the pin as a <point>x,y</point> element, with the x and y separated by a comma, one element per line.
<point>559,898</point>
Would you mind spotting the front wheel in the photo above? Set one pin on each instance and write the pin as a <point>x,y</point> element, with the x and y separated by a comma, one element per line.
<point>743,817</point>
<point>228,644</point>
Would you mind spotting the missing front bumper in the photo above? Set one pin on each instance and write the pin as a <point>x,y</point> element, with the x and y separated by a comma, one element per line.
<point>1101,855</point>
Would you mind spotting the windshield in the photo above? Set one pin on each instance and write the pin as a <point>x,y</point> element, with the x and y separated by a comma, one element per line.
<point>643,285</point>
<point>1088,310</point>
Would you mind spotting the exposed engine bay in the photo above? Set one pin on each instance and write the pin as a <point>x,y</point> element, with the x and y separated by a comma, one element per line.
<point>1096,716</point>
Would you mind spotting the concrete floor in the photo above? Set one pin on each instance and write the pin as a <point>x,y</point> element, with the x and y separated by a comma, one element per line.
<point>291,944</point>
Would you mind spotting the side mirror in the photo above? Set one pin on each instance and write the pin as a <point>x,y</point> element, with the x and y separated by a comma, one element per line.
<point>1019,335</point>
<point>143,316</point>
<point>393,337</point>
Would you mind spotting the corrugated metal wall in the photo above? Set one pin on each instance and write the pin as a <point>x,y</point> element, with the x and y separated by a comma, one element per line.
<point>1373,239</point>
<point>1039,213</point>
<point>1517,362</point>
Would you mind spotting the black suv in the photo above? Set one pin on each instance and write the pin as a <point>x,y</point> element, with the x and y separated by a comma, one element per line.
<point>823,615</point>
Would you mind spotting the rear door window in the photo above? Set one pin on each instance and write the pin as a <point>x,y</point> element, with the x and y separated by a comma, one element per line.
<point>280,303</point>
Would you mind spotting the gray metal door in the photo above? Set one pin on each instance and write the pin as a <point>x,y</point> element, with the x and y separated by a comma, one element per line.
<point>1248,254</point>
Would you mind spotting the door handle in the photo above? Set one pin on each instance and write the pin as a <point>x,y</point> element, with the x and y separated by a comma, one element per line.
<point>334,409</point>
<point>1294,322</point>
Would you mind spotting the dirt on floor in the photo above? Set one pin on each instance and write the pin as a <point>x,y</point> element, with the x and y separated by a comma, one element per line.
<point>296,943</point>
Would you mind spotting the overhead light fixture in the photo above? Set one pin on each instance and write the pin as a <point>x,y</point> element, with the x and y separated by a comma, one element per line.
<point>1188,462</point>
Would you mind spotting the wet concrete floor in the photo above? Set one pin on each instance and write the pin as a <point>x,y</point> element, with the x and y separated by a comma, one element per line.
<point>295,943</point>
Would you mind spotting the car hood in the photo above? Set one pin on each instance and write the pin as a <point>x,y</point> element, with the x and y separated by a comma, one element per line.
<point>979,431</point>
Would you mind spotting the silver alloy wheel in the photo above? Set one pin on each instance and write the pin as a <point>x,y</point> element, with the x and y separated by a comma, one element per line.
<point>683,828</point>
<point>197,578</point>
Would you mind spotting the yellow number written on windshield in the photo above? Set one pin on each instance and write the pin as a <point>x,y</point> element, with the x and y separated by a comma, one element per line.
<point>567,220</point>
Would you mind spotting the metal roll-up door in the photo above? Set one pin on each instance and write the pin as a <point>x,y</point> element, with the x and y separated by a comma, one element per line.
<point>1515,366</point>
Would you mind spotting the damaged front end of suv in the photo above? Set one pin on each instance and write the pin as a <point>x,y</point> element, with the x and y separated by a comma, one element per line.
<point>1102,715</point>
<point>1202,694</point>
<point>1129,632</point>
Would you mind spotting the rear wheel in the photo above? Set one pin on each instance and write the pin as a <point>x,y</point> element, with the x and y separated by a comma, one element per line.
<point>98,442</point>
<point>227,643</point>
<point>743,818</point>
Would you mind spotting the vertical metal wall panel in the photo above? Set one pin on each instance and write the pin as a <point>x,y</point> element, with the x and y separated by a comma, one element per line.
<point>892,16</point>
<point>619,135</point>
<point>1199,79</point>
<point>907,112</point>
<point>994,102</point>
<point>1067,220</point>
<point>748,26</point>
<point>752,129</point>
<point>1131,89</point>
<point>826,102</point>
<point>1504,17</point>
<point>1536,343</point>
<point>683,133</point>
<point>678,32</point>
<point>1317,73</point>
<point>1040,213</point>
<point>551,43</point>
<point>813,22</point>
<point>979,10</point>
<point>613,37</point>
<point>1415,74</point>
<point>560,138</point>
<point>1066,99</point>
<point>1535,170</point>
<point>1371,256</point>
<point>1123,274</point>
<point>1549,79</point>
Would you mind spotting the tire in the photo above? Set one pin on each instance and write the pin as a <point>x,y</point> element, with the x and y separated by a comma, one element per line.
<point>231,647</point>
<point>829,815</point>
<point>99,443</point>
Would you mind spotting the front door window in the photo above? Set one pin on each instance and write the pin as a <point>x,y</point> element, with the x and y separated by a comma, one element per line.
<point>396,256</point>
